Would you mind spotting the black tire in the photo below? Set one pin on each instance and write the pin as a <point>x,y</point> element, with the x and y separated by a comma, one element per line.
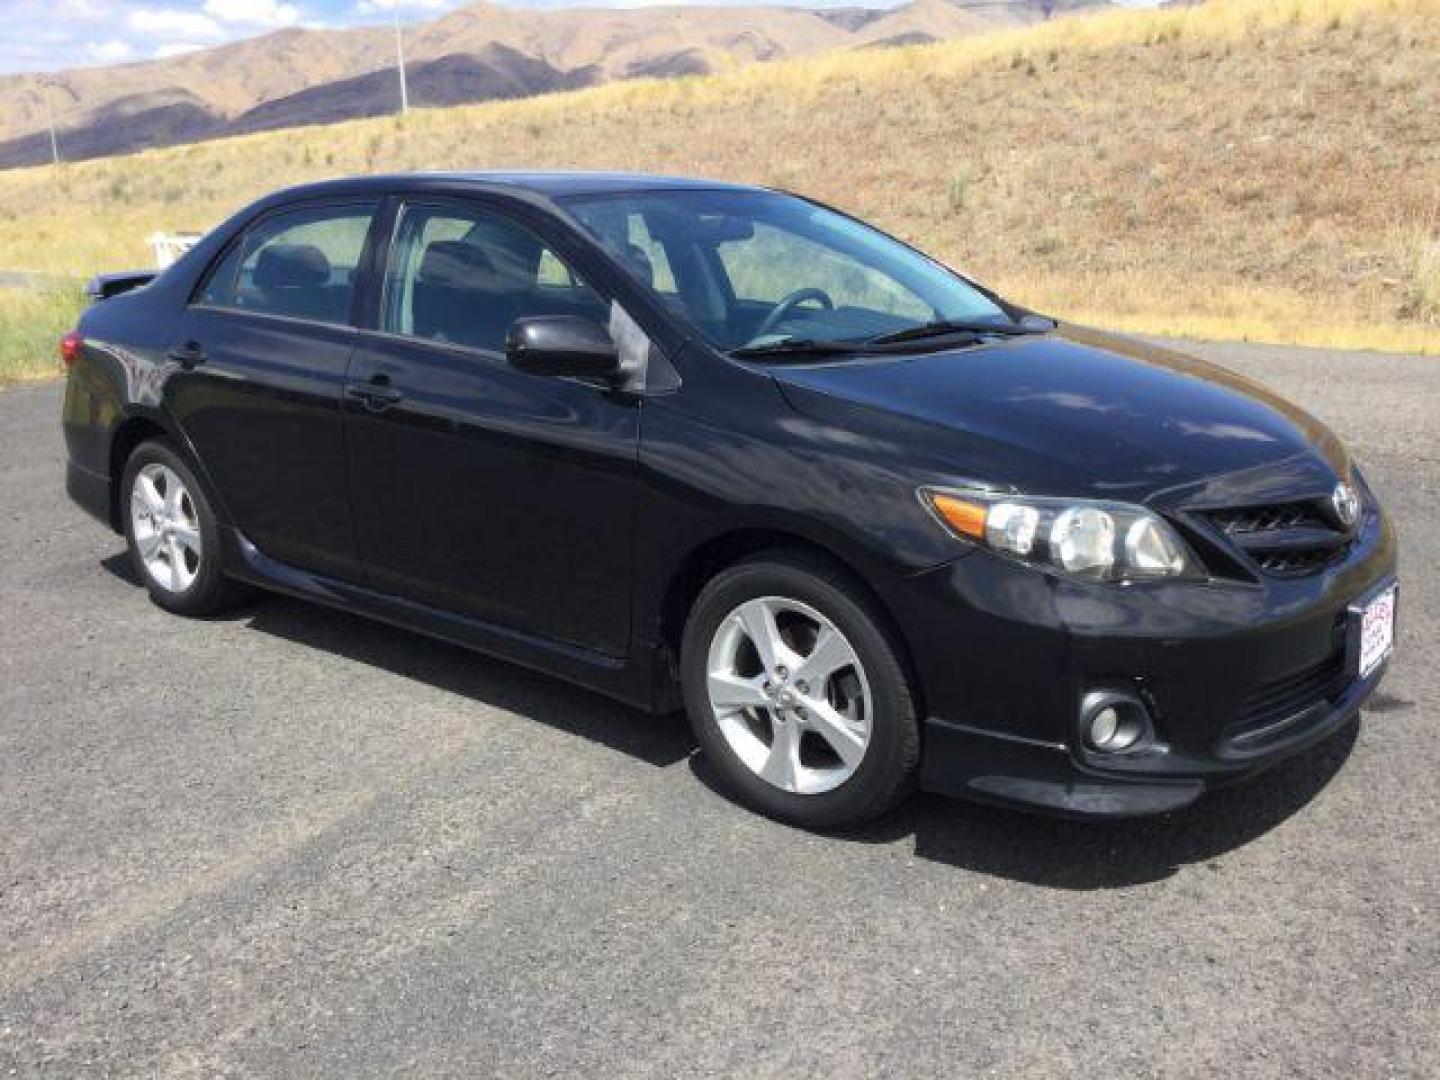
<point>210,591</point>
<point>886,773</point>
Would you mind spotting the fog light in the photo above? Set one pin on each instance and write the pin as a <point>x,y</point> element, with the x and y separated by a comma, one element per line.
<point>1113,723</point>
<point>1104,727</point>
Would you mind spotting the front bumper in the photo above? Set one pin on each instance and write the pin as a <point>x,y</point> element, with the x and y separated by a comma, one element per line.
<point>1236,677</point>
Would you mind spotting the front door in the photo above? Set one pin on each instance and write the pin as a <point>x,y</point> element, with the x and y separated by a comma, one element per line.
<point>477,488</point>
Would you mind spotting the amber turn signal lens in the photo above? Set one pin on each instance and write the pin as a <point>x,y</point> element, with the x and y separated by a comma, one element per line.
<point>966,518</point>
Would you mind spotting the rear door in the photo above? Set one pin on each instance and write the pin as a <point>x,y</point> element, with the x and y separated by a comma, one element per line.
<point>261,362</point>
<point>504,496</point>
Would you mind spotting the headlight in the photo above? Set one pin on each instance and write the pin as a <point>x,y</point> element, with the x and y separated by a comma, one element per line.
<point>1096,541</point>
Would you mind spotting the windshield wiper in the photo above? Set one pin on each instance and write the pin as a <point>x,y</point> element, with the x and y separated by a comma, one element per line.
<point>796,346</point>
<point>945,327</point>
<point>799,347</point>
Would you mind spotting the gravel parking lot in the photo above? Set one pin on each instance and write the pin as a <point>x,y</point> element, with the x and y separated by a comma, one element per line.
<point>288,842</point>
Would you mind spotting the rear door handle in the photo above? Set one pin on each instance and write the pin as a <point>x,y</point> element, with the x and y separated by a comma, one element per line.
<point>189,355</point>
<point>377,397</point>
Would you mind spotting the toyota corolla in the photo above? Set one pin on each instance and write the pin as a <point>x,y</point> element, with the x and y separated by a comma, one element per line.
<point>695,444</point>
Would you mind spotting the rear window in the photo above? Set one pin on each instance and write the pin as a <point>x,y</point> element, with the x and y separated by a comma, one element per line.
<point>302,264</point>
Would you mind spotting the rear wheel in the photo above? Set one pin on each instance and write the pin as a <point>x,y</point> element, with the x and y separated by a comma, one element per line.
<point>172,533</point>
<point>797,693</point>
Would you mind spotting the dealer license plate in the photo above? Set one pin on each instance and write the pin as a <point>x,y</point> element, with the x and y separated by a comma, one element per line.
<point>1377,631</point>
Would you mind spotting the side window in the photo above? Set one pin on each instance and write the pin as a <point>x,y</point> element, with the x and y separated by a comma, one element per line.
<point>464,276</point>
<point>772,263</point>
<point>301,263</point>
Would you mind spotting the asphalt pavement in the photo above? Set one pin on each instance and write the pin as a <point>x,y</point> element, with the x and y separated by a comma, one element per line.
<point>289,842</point>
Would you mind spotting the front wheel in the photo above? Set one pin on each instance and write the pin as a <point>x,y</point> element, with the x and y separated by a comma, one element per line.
<point>797,693</point>
<point>172,533</point>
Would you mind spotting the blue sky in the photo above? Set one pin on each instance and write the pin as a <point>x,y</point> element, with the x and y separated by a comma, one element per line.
<point>41,35</point>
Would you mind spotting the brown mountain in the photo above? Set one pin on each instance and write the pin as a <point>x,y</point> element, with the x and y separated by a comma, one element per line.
<point>476,53</point>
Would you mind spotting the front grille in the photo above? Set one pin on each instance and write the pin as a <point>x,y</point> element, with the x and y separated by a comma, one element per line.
<point>1261,519</point>
<point>1266,712</point>
<point>1300,563</point>
<point>1290,539</point>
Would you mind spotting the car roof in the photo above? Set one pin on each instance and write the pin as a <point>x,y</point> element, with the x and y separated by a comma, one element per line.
<point>544,184</point>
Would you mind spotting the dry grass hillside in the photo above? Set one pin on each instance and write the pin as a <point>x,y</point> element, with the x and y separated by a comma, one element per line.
<point>479,52</point>
<point>1266,169</point>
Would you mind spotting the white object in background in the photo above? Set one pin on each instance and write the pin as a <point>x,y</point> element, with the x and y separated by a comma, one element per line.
<point>170,246</point>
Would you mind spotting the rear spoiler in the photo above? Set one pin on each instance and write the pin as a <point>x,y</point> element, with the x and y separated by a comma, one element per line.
<point>104,286</point>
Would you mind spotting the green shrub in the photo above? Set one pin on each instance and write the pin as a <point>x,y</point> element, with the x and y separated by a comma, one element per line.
<point>31,323</point>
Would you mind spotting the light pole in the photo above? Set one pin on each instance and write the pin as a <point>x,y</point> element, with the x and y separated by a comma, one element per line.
<point>50,123</point>
<point>400,61</point>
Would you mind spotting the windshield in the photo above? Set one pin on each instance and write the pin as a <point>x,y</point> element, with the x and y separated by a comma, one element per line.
<point>750,268</point>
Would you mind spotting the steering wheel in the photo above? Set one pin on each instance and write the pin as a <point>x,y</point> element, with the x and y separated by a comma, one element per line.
<point>788,304</point>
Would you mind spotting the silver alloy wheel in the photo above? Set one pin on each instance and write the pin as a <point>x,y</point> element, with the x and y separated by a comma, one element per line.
<point>789,694</point>
<point>166,527</point>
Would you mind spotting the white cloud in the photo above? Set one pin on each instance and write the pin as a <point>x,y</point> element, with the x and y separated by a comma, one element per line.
<point>375,7</point>
<point>263,13</point>
<point>174,23</point>
<point>81,10</point>
<point>110,52</point>
<point>177,48</point>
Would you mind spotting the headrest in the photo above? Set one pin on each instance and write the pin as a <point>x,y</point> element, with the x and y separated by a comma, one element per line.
<point>513,252</point>
<point>289,266</point>
<point>454,263</point>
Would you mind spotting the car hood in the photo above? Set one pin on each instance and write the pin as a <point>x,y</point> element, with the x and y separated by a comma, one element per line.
<point>1074,412</point>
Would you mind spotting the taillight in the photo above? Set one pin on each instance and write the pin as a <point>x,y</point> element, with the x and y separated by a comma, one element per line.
<point>70,347</point>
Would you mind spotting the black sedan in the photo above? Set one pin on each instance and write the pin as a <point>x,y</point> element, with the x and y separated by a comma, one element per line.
<point>693,443</point>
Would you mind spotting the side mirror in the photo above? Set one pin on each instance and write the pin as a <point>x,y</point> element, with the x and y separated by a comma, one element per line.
<point>562,345</point>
